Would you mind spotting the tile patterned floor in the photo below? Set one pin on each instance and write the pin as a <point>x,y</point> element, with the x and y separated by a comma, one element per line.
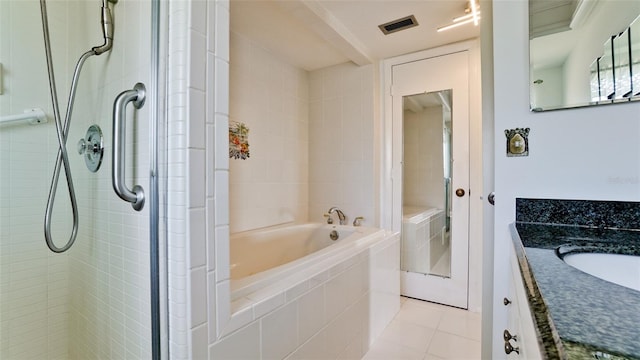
<point>426,331</point>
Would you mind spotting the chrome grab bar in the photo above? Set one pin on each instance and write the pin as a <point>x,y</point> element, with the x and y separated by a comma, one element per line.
<point>137,96</point>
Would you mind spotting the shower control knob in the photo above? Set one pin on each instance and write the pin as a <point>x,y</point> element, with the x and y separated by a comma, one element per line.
<point>82,146</point>
<point>92,148</point>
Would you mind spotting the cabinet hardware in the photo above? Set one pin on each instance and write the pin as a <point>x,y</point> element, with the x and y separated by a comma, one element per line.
<point>506,335</point>
<point>506,301</point>
<point>508,348</point>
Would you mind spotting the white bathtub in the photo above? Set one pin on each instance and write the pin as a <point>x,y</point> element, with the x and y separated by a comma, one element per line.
<point>259,258</point>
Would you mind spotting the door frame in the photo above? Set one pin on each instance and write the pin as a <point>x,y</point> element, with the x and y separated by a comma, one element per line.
<point>387,187</point>
<point>443,72</point>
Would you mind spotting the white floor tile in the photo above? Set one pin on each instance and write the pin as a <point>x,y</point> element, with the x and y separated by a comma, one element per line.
<point>384,350</point>
<point>419,314</point>
<point>461,322</point>
<point>409,335</point>
<point>449,346</point>
<point>429,331</point>
<point>432,357</point>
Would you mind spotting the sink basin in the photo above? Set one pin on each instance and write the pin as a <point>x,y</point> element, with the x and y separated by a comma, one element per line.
<point>623,270</point>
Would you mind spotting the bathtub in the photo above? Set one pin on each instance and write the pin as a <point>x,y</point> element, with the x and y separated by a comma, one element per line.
<point>260,258</point>
<point>294,282</point>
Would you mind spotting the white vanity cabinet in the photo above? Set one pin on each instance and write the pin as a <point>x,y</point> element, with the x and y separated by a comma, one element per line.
<point>520,337</point>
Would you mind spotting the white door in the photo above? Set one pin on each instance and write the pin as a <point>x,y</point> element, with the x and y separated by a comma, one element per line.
<point>430,109</point>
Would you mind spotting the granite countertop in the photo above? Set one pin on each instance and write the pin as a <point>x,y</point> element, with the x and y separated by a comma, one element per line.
<point>577,315</point>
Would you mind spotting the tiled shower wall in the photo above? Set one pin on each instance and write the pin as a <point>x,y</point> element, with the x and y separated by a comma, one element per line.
<point>109,304</point>
<point>34,288</point>
<point>93,300</point>
<point>341,147</point>
<point>271,98</point>
<point>423,186</point>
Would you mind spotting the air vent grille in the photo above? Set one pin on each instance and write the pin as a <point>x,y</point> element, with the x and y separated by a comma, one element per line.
<point>399,24</point>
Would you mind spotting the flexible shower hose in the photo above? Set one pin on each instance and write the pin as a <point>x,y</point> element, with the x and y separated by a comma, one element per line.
<point>62,130</point>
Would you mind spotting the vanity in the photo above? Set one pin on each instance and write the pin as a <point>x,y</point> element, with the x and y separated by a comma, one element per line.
<point>557,311</point>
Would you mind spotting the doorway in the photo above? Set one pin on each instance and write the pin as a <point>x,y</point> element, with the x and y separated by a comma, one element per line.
<point>430,111</point>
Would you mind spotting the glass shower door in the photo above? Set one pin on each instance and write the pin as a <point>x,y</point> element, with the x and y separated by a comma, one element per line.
<point>95,299</point>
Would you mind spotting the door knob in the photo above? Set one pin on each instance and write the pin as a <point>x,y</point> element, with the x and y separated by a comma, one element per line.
<point>459,192</point>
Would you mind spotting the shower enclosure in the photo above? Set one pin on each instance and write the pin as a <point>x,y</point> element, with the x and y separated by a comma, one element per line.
<point>102,297</point>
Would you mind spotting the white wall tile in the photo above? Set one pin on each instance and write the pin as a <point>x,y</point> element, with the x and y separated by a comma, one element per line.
<point>315,348</point>
<point>199,343</point>
<point>344,330</point>
<point>222,198</point>
<point>197,225</point>
<point>243,344</point>
<point>196,178</point>
<point>198,16</point>
<point>278,131</point>
<point>211,307</point>
<point>211,28</point>
<point>341,123</point>
<point>222,142</point>
<point>197,63</point>
<point>221,94</point>
<point>196,118</point>
<point>311,316</point>
<point>222,253</point>
<point>101,284</point>
<point>210,159</point>
<point>265,302</point>
<point>198,304</point>
<point>241,315</point>
<point>211,235</point>
<point>222,32</point>
<point>280,332</point>
<point>223,304</point>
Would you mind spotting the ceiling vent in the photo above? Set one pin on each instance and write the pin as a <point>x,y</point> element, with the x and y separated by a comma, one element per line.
<point>399,24</point>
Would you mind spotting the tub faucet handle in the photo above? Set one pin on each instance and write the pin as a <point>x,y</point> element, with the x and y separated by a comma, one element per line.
<point>357,220</point>
<point>329,219</point>
<point>341,215</point>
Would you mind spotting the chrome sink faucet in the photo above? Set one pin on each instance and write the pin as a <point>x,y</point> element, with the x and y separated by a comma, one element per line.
<point>341,216</point>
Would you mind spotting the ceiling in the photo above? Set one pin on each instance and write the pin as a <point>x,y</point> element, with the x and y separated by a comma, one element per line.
<point>550,16</point>
<point>312,34</point>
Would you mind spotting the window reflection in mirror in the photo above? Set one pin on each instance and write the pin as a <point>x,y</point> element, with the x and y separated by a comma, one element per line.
<point>622,84</point>
<point>567,52</point>
<point>635,56</point>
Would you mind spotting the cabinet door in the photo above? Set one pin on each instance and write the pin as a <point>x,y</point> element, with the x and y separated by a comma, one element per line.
<point>520,320</point>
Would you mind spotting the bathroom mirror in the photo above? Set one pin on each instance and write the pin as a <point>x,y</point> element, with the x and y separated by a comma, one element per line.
<point>580,51</point>
<point>427,172</point>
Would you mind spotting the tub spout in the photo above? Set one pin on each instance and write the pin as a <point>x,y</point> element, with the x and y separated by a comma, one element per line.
<point>341,216</point>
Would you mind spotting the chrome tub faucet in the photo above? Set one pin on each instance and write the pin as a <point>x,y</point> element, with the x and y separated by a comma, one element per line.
<point>341,216</point>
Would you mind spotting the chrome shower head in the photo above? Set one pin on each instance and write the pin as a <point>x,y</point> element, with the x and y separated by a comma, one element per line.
<point>107,28</point>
